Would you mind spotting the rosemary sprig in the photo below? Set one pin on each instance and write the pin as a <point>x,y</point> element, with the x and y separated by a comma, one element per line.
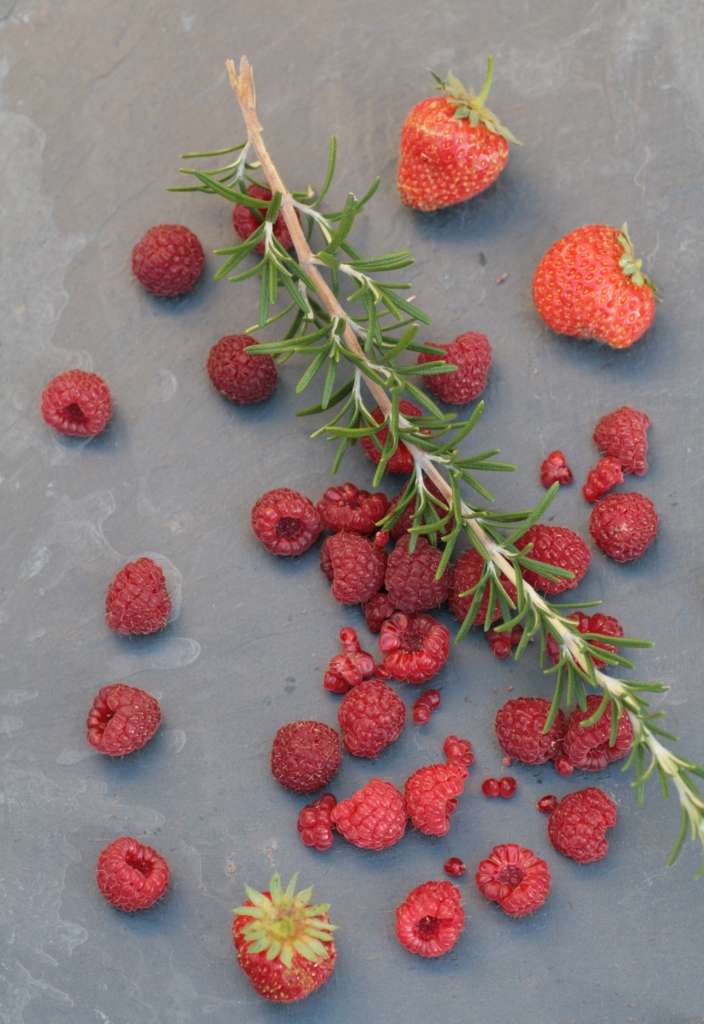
<point>343,312</point>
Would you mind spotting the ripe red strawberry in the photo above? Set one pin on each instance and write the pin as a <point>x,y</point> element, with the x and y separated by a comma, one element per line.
<point>452,147</point>
<point>354,565</point>
<point>555,545</point>
<point>623,525</point>
<point>137,600</point>
<point>588,746</point>
<point>374,817</point>
<point>241,376</point>
<point>431,918</point>
<point>471,354</point>
<point>577,825</point>
<point>284,943</point>
<point>305,755</point>
<point>77,403</point>
<point>245,220</point>
<point>122,719</point>
<point>286,522</point>
<point>622,434</point>
<point>590,285</point>
<point>371,716</point>
<point>514,877</point>
<point>410,576</point>
<point>348,508</point>
<point>168,260</point>
<point>315,822</point>
<point>131,876</point>
<point>415,647</point>
<point>431,796</point>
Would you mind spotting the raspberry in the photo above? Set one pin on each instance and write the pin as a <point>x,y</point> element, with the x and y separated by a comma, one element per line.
<point>377,610</point>
<point>305,755</point>
<point>466,574</point>
<point>501,643</point>
<point>245,220</point>
<point>410,577</point>
<point>431,796</point>
<point>371,716</point>
<point>415,647</point>
<point>623,525</point>
<point>346,508</point>
<point>577,826</point>
<point>405,521</point>
<point>471,354</point>
<point>490,788</point>
<point>241,376</point>
<point>77,403</point>
<point>424,706</point>
<point>430,918</point>
<point>131,876</point>
<point>374,817</point>
<point>588,746</point>
<point>554,469</point>
<point>555,545</point>
<point>354,566</point>
<point>349,668</point>
<point>315,822</point>
<point>458,751</point>
<point>602,478</point>
<point>514,877</point>
<point>519,727</point>
<point>122,719</point>
<point>597,623</point>
<point>507,787</point>
<point>547,804</point>
<point>454,866</point>
<point>401,461</point>
<point>622,435</point>
<point>285,521</point>
<point>168,260</point>
<point>137,600</point>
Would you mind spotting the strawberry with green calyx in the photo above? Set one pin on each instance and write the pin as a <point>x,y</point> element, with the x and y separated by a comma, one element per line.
<point>452,146</point>
<point>284,943</point>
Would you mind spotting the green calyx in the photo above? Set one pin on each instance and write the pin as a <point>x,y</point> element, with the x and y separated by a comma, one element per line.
<point>284,923</point>
<point>632,267</point>
<point>472,107</point>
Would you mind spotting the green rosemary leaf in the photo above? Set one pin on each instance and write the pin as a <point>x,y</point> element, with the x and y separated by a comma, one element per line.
<point>422,398</point>
<point>339,454</point>
<point>368,194</point>
<point>618,641</point>
<point>403,306</point>
<point>471,614</point>
<point>335,398</point>
<point>586,723</point>
<point>272,319</point>
<point>311,371</point>
<point>536,514</point>
<point>274,206</point>
<point>344,227</point>
<point>556,701</point>
<point>475,485</point>
<point>329,383</point>
<point>429,369</point>
<point>295,294</point>
<point>213,152</point>
<point>680,840</point>
<point>329,173</point>
<point>401,345</point>
<point>542,568</point>
<point>265,293</point>
<point>252,272</point>
<point>391,261</point>
<point>330,261</point>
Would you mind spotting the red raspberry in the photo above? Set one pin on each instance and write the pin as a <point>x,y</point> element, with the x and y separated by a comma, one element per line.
<point>245,220</point>
<point>410,577</point>
<point>588,747</point>
<point>597,623</point>
<point>623,525</point>
<point>77,403</point>
<point>371,716</point>
<point>241,376</point>
<point>519,728</point>
<point>346,508</point>
<point>602,478</point>
<point>466,574</point>
<point>501,643</point>
<point>285,521</point>
<point>122,719</point>
<point>547,804</point>
<point>554,469</point>
<point>458,751</point>
<point>622,434</point>
<point>471,354</point>
<point>354,566</point>
<point>454,866</point>
<point>401,461</point>
<point>377,609</point>
<point>514,877</point>
<point>168,260</point>
<point>305,755</point>
<point>349,668</point>
<point>131,876</point>
<point>490,788</point>
<point>507,787</point>
<point>374,817</point>
<point>405,521</point>
<point>415,647</point>
<point>430,918</point>
<point>424,706</point>
<point>577,826</point>
<point>137,600</point>
<point>555,545</point>
<point>431,796</point>
<point>315,822</point>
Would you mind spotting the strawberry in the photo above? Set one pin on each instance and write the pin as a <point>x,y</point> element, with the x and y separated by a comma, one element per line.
<point>452,147</point>
<point>590,285</point>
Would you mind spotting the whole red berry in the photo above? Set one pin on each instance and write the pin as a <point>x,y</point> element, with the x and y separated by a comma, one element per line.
<point>241,376</point>
<point>430,918</point>
<point>519,727</point>
<point>285,521</point>
<point>131,876</point>
<point>466,574</point>
<point>401,461</point>
<point>371,716</point>
<point>305,755</point>
<point>588,747</point>
<point>622,434</point>
<point>623,525</point>
<point>377,609</point>
<point>507,787</point>
<point>415,647</point>
<point>454,866</point>
<point>490,788</point>
<point>137,600</point>
<point>458,751</point>
<point>577,825</point>
<point>547,804</point>
<point>602,478</point>
<point>168,260</point>
<point>554,469</point>
<point>77,403</point>
<point>431,796</point>
<point>374,817</point>
<point>122,719</point>
<point>555,545</point>
<point>347,508</point>
<point>315,822</point>
<point>597,623</point>
<point>405,520</point>
<point>354,566</point>
<point>245,220</point>
<point>410,576</point>
<point>471,354</point>
<point>514,877</point>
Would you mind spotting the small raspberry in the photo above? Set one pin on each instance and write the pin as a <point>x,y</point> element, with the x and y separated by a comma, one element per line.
<point>519,727</point>
<point>405,521</point>
<point>471,354</point>
<point>401,461</point>
<point>554,469</point>
<point>377,610</point>
<point>424,706</point>
<point>241,376</point>
<point>305,755</point>
<point>622,434</point>
<point>245,220</point>
<point>77,403</point>
<point>467,572</point>
<point>501,643</point>
<point>374,817</point>
<point>346,508</point>
<point>122,719</point>
<point>137,600</point>
<point>454,866</point>
<point>507,787</point>
<point>354,566</point>
<point>410,577</point>
<point>430,918</point>
<point>168,260</point>
<point>514,877</point>
<point>577,826</point>
<point>458,751</point>
<point>623,525</point>
<point>431,796</point>
<point>598,623</point>
<point>285,521</point>
<point>547,804</point>
<point>131,876</point>
<point>555,545</point>
<point>371,716</point>
<point>315,822</point>
<point>349,668</point>
<point>588,746</point>
<point>415,647</point>
<point>490,788</point>
<point>602,478</point>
